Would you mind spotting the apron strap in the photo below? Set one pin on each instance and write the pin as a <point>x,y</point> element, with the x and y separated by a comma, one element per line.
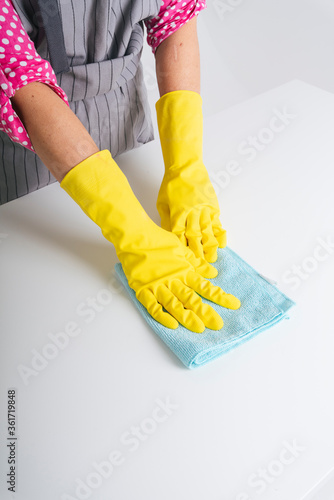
<point>54,35</point>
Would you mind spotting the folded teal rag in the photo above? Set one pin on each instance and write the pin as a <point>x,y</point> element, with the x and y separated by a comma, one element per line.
<point>262,306</point>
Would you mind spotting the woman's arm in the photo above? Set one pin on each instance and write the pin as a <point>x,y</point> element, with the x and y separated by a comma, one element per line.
<point>58,136</point>
<point>172,36</point>
<point>187,203</point>
<point>33,108</point>
<point>178,60</point>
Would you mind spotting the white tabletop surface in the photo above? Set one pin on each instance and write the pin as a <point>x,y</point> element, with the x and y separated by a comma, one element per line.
<point>256,423</point>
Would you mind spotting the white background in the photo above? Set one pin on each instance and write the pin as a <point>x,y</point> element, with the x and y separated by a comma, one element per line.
<point>235,418</point>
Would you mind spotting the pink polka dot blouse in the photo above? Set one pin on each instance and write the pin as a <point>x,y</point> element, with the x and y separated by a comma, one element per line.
<point>171,17</point>
<point>20,64</point>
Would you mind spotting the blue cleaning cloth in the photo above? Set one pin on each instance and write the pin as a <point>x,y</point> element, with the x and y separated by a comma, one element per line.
<point>262,306</point>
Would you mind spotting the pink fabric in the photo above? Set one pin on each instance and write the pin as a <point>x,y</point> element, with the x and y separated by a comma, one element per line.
<point>171,17</point>
<point>19,64</point>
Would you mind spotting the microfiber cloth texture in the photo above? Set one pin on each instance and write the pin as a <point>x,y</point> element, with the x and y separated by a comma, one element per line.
<point>262,306</point>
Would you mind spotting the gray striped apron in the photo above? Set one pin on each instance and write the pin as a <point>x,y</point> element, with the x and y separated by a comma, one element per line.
<point>94,47</point>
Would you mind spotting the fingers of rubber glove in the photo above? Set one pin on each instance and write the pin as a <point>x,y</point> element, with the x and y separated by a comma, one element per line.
<point>205,269</point>
<point>148,300</point>
<point>194,238</point>
<point>219,232</point>
<point>211,292</point>
<point>191,300</point>
<point>209,241</point>
<point>175,307</point>
<point>193,233</point>
<point>201,265</point>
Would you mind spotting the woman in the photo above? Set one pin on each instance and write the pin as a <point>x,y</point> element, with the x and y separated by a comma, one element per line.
<point>95,47</point>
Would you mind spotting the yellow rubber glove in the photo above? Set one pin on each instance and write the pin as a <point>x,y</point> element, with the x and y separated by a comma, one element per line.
<point>154,261</point>
<point>187,202</point>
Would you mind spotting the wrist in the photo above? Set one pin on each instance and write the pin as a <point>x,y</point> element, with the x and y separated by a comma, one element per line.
<point>102,191</point>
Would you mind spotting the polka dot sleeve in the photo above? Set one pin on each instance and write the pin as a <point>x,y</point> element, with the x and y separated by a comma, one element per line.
<point>171,17</point>
<point>20,64</point>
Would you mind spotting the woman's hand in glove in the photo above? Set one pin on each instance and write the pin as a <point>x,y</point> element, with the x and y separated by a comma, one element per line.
<point>161,270</point>
<point>187,203</point>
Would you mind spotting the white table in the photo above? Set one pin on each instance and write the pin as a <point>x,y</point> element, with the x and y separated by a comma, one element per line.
<point>112,392</point>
